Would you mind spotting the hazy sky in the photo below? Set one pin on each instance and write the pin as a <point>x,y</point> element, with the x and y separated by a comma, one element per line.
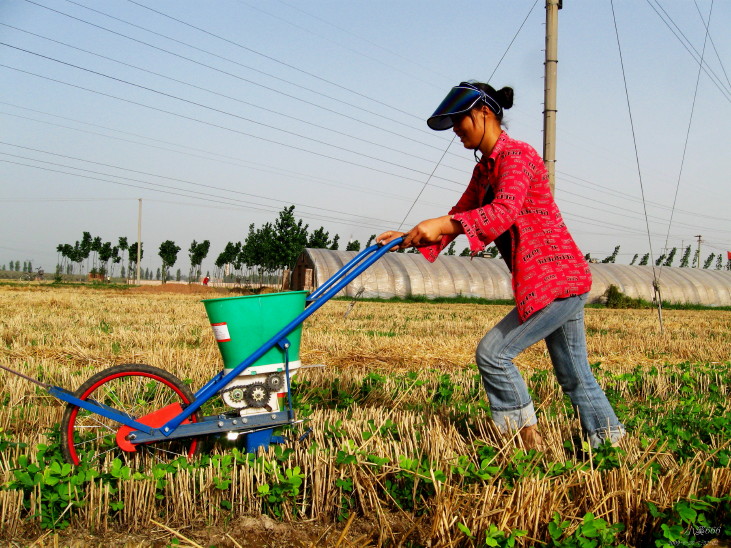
<point>218,114</point>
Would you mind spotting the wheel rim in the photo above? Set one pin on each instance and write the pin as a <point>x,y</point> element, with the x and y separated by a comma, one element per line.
<point>135,394</point>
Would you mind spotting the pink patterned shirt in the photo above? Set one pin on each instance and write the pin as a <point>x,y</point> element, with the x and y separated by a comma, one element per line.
<point>546,262</point>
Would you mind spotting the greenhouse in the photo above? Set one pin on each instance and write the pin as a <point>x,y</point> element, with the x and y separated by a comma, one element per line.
<point>407,274</point>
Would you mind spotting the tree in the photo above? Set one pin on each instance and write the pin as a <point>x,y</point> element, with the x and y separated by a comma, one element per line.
<point>450,249</point>
<point>169,254</point>
<point>105,253</point>
<point>709,260</point>
<point>132,258</point>
<point>645,259</point>
<point>634,259</point>
<point>177,275</point>
<point>696,258</point>
<point>334,245</point>
<point>611,258</point>
<point>370,240</point>
<point>353,245</point>
<point>291,236</point>
<point>231,255</point>
<point>660,259</point>
<point>123,245</point>
<point>77,254</point>
<point>491,252</point>
<point>197,252</point>
<point>465,252</point>
<point>319,239</point>
<point>258,249</point>
<point>96,246</point>
<point>116,259</point>
<point>685,258</point>
<point>84,248</point>
<point>719,262</point>
<point>671,256</point>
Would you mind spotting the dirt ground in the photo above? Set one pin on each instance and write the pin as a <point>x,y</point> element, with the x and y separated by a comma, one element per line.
<point>206,292</point>
<point>254,532</point>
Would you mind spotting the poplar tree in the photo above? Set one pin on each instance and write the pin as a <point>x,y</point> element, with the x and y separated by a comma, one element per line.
<point>686,258</point>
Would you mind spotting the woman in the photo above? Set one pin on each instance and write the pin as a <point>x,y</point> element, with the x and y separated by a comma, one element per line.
<point>508,202</point>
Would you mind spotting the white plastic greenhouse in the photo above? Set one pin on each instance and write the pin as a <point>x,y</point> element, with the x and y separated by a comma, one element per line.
<point>404,274</point>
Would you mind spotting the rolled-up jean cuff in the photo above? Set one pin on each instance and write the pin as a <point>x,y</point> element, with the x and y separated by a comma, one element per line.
<point>513,419</point>
<point>611,434</point>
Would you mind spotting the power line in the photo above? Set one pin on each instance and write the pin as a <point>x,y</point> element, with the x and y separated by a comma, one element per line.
<point>687,134</point>
<point>694,54</point>
<point>251,50</point>
<point>391,52</point>
<point>216,157</point>
<point>327,38</point>
<point>630,197</point>
<point>166,190</point>
<point>713,44</point>
<point>220,111</point>
<point>253,69</point>
<point>272,141</point>
<point>213,92</point>
<point>192,183</point>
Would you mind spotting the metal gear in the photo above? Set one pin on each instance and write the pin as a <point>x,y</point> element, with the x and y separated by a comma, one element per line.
<point>275,382</point>
<point>235,396</point>
<point>257,394</point>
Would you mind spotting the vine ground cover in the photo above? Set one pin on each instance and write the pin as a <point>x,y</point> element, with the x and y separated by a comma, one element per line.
<point>402,449</point>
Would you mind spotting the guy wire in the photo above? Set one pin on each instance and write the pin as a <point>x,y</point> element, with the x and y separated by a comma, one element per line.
<point>687,134</point>
<point>426,183</point>
<point>655,281</point>
<point>453,137</point>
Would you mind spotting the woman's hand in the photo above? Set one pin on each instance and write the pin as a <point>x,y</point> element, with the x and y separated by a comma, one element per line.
<point>425,233</point>
<point>431,231</point>
<point>389,236</point>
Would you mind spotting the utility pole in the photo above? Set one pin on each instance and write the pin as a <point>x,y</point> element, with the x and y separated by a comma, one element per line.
<point>699,250</point>
<point>139,239</point>
<point>551,80</point>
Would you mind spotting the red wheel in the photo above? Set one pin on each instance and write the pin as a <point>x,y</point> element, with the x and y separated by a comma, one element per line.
<point>138,391</point>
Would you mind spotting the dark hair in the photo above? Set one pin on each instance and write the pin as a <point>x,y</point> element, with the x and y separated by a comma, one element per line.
<point>503,97</point>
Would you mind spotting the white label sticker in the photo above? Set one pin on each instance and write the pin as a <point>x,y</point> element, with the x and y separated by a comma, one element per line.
<point>220,331</point>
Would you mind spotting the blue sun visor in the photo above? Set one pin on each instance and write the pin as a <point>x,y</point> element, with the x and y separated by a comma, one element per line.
<point>458,101</point>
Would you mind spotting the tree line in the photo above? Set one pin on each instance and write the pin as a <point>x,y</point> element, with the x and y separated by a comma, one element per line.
<point>266,250</point>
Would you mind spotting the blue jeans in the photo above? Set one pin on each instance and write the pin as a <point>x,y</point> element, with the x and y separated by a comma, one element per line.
<point>561,324</point>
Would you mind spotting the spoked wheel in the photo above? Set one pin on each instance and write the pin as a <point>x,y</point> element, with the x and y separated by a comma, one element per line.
<point>138,391</point>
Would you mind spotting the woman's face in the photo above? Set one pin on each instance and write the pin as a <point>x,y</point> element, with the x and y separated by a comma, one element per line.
<point>470,127</point>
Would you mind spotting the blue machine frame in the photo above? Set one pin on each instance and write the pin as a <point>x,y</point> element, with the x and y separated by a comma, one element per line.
<point>221,424</point>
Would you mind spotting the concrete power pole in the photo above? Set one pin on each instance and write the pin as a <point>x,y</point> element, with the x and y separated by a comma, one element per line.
<point>551,81</point>
<point>698,264</point>
<point>139,240</point>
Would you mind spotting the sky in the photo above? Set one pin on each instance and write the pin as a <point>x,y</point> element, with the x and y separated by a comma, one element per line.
<point>217,115</point>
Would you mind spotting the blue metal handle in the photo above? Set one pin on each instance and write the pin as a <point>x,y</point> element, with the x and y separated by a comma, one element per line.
<point>329,289</point>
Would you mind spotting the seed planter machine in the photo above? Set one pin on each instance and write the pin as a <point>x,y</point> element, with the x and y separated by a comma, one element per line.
<point>135,408</point>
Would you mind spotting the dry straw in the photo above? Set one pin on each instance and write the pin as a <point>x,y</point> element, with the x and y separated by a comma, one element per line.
<point>64,335</point>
